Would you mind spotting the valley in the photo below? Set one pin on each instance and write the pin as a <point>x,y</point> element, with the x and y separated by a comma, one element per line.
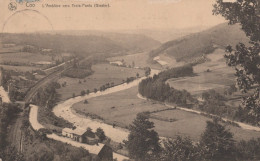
<point>96,83</point>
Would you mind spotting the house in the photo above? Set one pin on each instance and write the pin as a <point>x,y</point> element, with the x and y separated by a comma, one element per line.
<point>101,151</point>
<point>118,63</point>
<point>8,45</point>
<point>89,137</point>
<point>81,135</point>
<point>46,50</point>
<point>43,63</point>
<point>74,134</point>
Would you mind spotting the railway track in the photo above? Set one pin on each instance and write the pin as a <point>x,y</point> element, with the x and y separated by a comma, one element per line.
<point>54,75</point>
<point>16,137</point>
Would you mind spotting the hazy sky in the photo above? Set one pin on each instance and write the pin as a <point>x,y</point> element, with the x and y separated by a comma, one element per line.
<point>121,15</point>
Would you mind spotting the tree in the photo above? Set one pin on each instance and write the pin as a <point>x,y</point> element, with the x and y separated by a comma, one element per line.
<point>82,92</point>
<point>64,84</point>
<point>217,142</point>
<point>147,71</point>
<point>245,60</point>
<point>43,153</point>
<point>248,150</point>
<point>78,153</point>
<point>142,140</point>
<point>101,134</point>
<point>180,149</point>
<point>112,84</point>
<point>11,154</point>
<point>90,133</point>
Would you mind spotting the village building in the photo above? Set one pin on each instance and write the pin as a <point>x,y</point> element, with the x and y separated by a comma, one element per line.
<point>8,45</point>
<point>46,50</point>
<point>81,135</point>
<point>106,153</point>
<point>117,63</point>
<point>102,151</point>
<point>43,63</point>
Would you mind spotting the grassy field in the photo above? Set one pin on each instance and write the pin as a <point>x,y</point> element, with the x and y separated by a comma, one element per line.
<point>4,48</point>
<point>104,73</point>
<point>121,108</point>
<point>23,57</point>
<point>219,77</point>
<point>20,68</point>
<point>13,56</point>
<point>192,125</point>
<point>140,60</point>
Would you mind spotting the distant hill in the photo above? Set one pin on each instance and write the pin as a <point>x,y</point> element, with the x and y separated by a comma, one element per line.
<point>130,41</point>
<point>196,45</point>
<point>165,35</point>
<point>83,44</point>
<point>79,45</point>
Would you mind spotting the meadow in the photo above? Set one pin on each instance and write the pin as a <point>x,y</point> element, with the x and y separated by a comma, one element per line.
<point>12,59</point>
<point>213,74</point>
<point>23,57</point>
<point>103,74</point>
<point>20,68</point>
<point>120,108</point>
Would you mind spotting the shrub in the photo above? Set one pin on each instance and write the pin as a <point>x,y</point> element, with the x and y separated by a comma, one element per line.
<point>82,93</point>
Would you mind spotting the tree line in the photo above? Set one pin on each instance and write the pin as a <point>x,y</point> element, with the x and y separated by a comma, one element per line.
<point>155,87</point>
<point>79,70</point>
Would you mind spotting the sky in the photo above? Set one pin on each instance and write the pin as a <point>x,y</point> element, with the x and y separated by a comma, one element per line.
<point>121,15</point>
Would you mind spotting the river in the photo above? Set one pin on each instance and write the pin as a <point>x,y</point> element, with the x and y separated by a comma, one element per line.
<point>117,134</point>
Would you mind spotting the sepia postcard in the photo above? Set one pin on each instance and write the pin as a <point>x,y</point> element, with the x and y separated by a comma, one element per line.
<point>129,80</point>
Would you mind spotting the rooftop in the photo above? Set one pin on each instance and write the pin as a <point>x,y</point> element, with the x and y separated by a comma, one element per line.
<point>77,131</point>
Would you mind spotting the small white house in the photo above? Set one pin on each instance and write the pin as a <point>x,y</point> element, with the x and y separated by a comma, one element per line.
<point>119,63</point>
<point>74,134</point>
<point>46,50</point>
<point>81,135</point>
